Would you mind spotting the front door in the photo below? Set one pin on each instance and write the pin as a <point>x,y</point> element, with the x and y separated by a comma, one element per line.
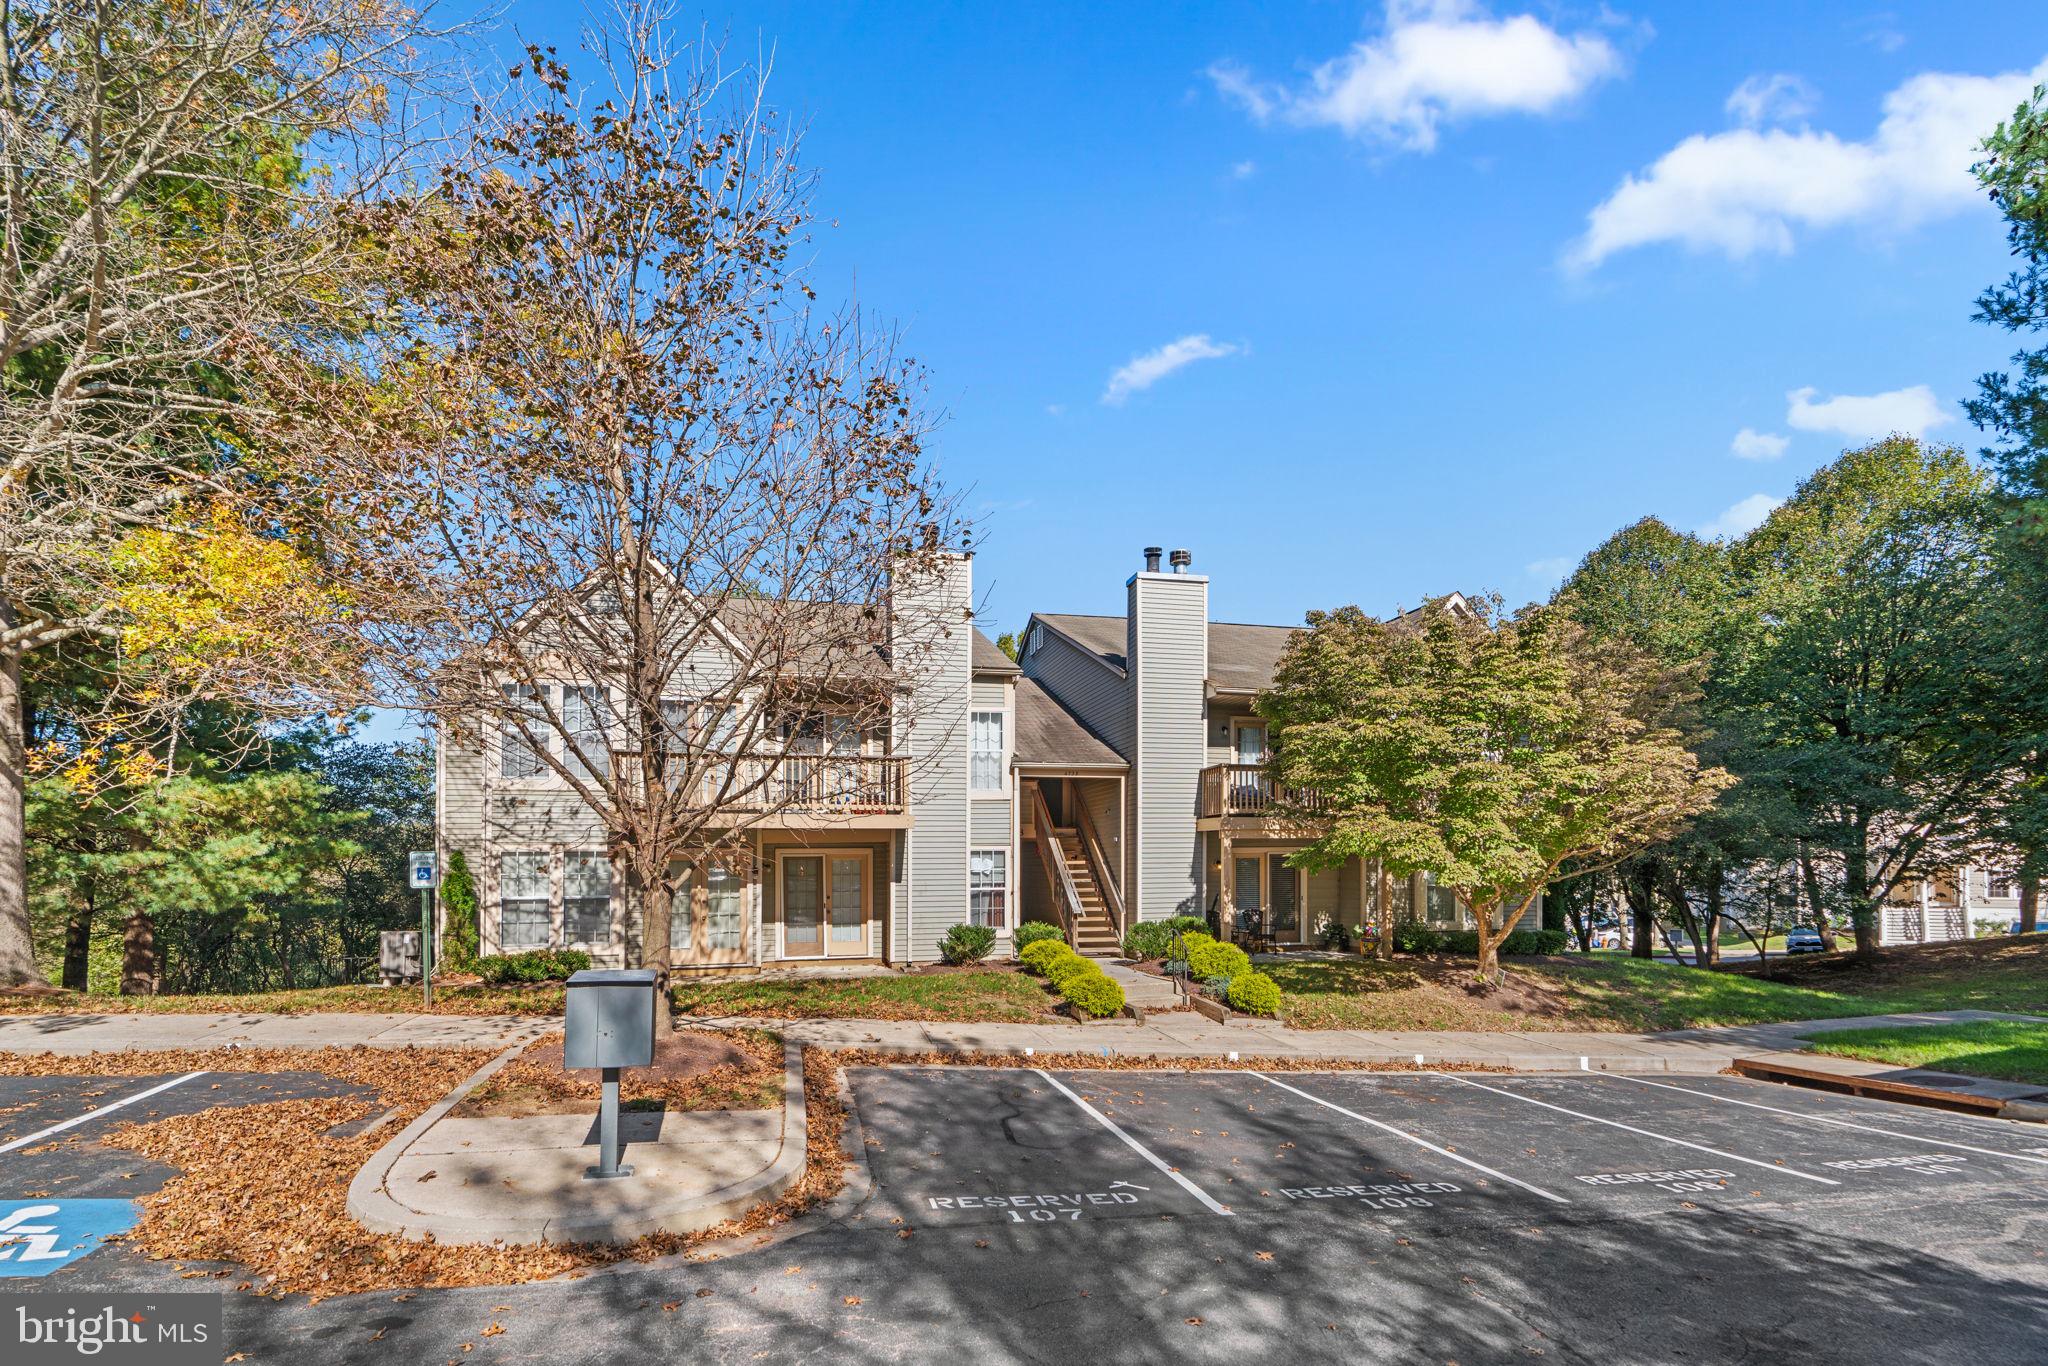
<point>1245,895</point>
<point>825,905</point>
<point>1283,897</point>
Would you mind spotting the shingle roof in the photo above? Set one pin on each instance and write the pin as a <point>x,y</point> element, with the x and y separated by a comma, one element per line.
<point>989,657</point>
<point>1242,656</point>
<point>1048,734</point>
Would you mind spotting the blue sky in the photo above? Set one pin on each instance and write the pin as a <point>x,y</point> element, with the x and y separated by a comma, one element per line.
<point>1405,299</point>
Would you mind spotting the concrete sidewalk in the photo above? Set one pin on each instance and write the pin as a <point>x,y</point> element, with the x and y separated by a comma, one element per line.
<point>73,1035</point>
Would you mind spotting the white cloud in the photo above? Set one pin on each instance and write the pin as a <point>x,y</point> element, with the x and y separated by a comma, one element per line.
<point>1551,571</point>
<point>1142,372</point>
<point>1910,411</point>
<point>1777,98</point>
<point>1243,170</point>
<point>1752,190</point>
<point>1741,519</point>
<point>1750,444</point>
<point>1438,60</point>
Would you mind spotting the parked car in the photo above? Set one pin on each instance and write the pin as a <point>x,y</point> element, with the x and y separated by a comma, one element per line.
<point>1804,941</point>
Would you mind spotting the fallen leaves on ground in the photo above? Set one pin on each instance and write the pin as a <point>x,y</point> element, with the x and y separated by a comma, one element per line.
<point>534,1082</point>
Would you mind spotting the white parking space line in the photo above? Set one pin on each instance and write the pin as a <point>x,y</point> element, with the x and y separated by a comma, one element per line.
<point>1646,1133</point>
<point>1140,1149</point>
<point>95,1113</point>
<point>1840,1123</point>
<point>1416,1139</point>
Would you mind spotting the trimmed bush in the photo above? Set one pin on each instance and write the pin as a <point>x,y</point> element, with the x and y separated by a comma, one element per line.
<point>1148,939</point>
<point>1033,932</point>
<point>967,943</point>
<point>1217,960</point>
<point>1254,993</point>
<point>1182,924</point>
<point>1060,969</point>
<point>1094,993</point>
<point>1037,954</point>
<point>537,965</point>
<point>1193,939</point>
<point>1422,939</point>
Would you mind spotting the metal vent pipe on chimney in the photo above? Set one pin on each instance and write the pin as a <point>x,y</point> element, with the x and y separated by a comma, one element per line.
<point>1152,554</point>
<point>1181,559</point>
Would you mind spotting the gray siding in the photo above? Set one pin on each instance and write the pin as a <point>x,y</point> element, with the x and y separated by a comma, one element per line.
<point>990,695</point>
<point>989,823</point>
<point>938,742</point>
<point>1087,687</point>
<point>1169,665</point>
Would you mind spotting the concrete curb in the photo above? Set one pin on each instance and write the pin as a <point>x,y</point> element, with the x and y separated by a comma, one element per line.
<point>371,1204</point>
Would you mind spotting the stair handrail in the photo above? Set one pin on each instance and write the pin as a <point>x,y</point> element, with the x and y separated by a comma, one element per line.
<point>1069,905</point>
<point>1098,859</point>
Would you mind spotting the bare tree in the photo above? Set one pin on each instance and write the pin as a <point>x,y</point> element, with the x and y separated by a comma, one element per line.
<point>663,532</point>
<point>163,225</point>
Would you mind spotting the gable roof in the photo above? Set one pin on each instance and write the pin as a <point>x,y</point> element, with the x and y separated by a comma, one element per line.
<point>1049,735</point>
<point>989,657</point>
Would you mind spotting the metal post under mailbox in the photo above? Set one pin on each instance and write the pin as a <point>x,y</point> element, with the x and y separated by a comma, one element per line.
<point>608,1024</point>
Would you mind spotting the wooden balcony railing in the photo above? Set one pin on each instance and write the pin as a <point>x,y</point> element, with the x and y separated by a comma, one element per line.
<point>1249,790</point>
<point>842,784</point>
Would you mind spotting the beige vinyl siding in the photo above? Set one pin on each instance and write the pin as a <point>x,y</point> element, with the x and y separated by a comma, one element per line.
<point>1325,890</point>
<point>1095,693</point>
<point>1168,651</point>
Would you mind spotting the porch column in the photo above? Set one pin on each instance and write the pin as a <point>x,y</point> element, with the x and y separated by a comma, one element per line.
<point>1226,907</point>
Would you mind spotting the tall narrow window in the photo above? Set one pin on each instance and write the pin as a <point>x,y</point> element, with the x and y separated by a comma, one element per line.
<point>517,756</point>
<point>586,897</point>
<point>985,767</point>
<point>586,716</point>
<point>988,881</point>
<point>724,910</point>
<point>522,901</point>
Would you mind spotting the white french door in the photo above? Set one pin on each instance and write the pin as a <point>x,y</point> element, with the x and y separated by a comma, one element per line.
<point>824,904</point>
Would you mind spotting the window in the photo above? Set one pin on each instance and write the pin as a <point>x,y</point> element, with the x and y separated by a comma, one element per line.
<point>586,716</point>
<point>517,756</point>
<point>985,768</point>
<point>988,880</point>
<point>586,898</point>
<point>522,901</point>
<point>2001,886</point>
<point>1443,907</point>
<point>723,925</point>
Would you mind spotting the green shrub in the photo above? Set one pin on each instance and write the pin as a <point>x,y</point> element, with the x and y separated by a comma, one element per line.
<point>1336,935</point>
<point>1217,960</point>
<point>1254,993</point>
<point>967,943</point>
<point>1182,924</point>
<point>1094,993</point>
<point>1422,939</point>
<point>1147,939</point>
<point>459,942</point>
<point>1036,955</point>
<point>1191,939</point>
<point>1034,932</point>
<point>537,965</point>
<point>1065,966</point>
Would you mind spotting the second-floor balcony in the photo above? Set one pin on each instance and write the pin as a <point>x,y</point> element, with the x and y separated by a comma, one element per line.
<point>1249,790</point>
<point>796,788</point>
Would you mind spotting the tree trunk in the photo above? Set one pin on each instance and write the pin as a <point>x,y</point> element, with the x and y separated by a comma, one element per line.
<point>1580,920</point>
<point>657,914</point>
<point>1856,890</point>
<point>17,945</point>
<point>78,944</point>
<point>1712,946</point>
<point>138,955</point>
<point>1809,879</point>
<point>2030,903</point>
<point>1642,940</point>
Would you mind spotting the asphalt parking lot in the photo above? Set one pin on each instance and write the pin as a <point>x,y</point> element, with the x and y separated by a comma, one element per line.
<point>1008,1214</point>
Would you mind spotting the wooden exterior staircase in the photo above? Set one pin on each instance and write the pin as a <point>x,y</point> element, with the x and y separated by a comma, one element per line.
<point>1094,933</point>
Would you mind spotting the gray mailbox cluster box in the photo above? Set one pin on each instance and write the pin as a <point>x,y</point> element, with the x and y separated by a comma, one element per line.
<point>610,1019</point>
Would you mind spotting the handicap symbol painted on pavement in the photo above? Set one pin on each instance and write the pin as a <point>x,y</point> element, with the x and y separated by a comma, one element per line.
<point>38,1236</point>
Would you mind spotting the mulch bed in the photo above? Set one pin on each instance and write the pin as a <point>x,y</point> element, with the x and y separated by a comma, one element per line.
<point>738,1069</point>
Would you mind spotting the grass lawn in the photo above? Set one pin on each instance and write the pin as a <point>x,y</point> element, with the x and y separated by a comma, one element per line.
<point>1602,993</point>
<point>2010,1050</point>
<point>972,996</point>
<point>448,1000</point>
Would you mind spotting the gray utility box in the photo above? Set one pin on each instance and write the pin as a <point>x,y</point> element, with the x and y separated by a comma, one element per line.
<point>610,1019</point>
<point>398,956</point>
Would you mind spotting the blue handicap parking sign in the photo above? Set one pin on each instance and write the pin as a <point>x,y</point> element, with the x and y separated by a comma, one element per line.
<point>38,1236</point>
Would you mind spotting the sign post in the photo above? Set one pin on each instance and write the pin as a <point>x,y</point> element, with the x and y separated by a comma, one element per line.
<point>420,874</point>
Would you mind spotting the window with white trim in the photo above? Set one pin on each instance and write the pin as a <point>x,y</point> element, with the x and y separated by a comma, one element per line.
<point>988,882</point>
<point>586,717</point>
<point>519,757</point>
<point>586,897</point>
<point>523,901</point>
<point>985,764</point>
